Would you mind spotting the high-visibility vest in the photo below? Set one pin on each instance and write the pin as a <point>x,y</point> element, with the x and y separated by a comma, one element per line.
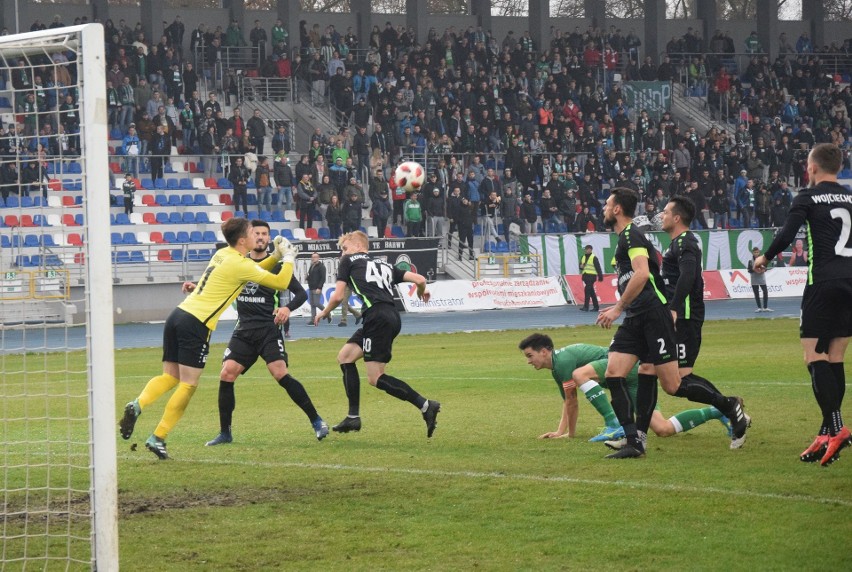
<point>589,265</point>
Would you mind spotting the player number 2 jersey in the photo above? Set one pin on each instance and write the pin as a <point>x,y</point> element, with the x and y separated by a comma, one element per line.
<point>632,243</point>
<point>372,280</point>
<point>826,212</point>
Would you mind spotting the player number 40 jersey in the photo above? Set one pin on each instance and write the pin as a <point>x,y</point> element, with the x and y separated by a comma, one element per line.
<point>371,279</point>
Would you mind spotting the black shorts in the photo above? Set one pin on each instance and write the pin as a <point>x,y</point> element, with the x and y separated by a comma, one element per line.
<point>826,310</point>
<point>376,334</point>
<point>248,345</point>
<point>650,336</point>
<point>688,338</point>
<point>185,339</point>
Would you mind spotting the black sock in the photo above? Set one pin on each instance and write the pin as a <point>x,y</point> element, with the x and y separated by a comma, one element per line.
<point>352,386</point>
<point>840,379</point>
<point>700,390</point>
<point>227,403</point>
<point>622,406</point>
<point>825,391</point>
<point>646,401</point>
<point>400,390</point>
<point>297,393</point>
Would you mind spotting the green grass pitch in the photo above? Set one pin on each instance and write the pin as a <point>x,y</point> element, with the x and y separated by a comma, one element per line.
<point>483,493</point>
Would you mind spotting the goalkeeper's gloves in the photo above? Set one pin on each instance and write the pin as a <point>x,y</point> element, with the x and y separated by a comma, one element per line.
<point>285,251</point>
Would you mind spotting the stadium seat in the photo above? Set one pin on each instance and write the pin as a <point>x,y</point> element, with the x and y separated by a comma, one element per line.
<point>143,237</point>
<point>137,257</point>
<point>30,240</point>
<point>226,199</point>
<point>68,220</point>
<point>208,236</point>
<point>196,236</point>
<point>5,242</point>
<point>213,200</point>
<point>188,217</point>
<point>173,183</point>
<point>157,237</point>
<point>79,219</point>
<point>120,257</point>
<point>290,216</point>
<point>67,201</point>
<point>47,240</point>
<point>287,233</point>
<point>40,220</point>
<point>200,200</point>
<point>182,237</point>
<point>26,202</point>
<point>52,260</point>
<point>265,216</point>
<point>201,218</point>
<point>227,215</point>
<point>147,184</point>
<point>185,184</point>
<point>13,202</point>
<point>115,238</point>
<point>163,218</point>
<point>11,221</point>
<point>129,238</point>
<point>215,217</point>
<point>22,261</point>
<point>175,218</point>
<point>198,183</point>
<point>162,200</point>
<point>277,216</point>
<point>177,254</point>
<point>169,237</point>
<point>211,183</point>
<point>149,201</point>
<point>240,214</point>
<point>299,234</point>
<point>324,233</point>
<point>252,199</point>
<point>388,232</point>
<point>79,258</point>
<point>174,201</point>
<point>164,255</point>
<point>311,233</point>
<point>224,183</point>
<point>74,168</point>
<point>372,232</point>
<point>397,231</point>
<point>149,218</point>
<point>122,218</point>
<point>136,218</point>
<point>160,184</point>
<point>54,201</point>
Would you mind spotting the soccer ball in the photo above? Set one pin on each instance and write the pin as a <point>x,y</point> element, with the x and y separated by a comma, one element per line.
<point>410,176</point>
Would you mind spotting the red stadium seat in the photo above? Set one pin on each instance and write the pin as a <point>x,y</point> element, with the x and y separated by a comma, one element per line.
<point>68,201</point>
<point>211,183</point>
<point>157,237</point>
<point>27,220</point>
<point>164,256</point>
<point>75,239</point>
<point>312,233</point>
<point>12,221</point>
<point>226,199</point>
<point>226,215</point>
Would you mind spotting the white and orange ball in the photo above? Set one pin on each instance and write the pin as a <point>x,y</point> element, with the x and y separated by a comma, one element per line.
<point>410,176</point>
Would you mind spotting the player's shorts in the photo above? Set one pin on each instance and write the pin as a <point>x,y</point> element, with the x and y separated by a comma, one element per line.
<point>185,339</point>
<point>380,327</point>
<point>248,345</point>
<point>826,311</point>
<point>688,338</point>
<point>650,336</point>
<point>632,378</point>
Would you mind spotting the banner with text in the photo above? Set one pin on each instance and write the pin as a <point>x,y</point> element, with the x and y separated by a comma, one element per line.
<point>721,249</point>
<point>607,291</point>
<point>487,294</point>
<point>780,282</point>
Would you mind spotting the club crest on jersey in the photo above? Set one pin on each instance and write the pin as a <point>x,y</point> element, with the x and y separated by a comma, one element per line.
<point>250,288</point>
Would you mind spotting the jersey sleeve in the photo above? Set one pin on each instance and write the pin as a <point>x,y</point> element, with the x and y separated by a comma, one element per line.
<point>636,244</point>
<point>795,219</point>
<point>398,275</point>
<point>344,269</point>
<point>687,266</point>
<point>246,270</point>
<point>299,296</point>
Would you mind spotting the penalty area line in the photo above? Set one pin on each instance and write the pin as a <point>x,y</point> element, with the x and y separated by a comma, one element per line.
<point>535,479</point>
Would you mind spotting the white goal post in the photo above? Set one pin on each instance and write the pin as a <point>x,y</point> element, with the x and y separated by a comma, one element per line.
<point>57,394</point>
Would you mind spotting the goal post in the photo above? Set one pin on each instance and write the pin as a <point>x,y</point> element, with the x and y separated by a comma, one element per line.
<point>57,390</point>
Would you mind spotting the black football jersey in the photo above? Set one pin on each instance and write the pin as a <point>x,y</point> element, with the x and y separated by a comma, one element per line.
<point>256,303</point>
<point>631,242</point>
<point>826,212</point>
<point>683,253</point>
<point>371,280</point>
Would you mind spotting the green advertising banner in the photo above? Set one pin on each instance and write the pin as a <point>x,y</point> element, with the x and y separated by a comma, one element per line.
<point>722,249</point>
<point>650,95</point>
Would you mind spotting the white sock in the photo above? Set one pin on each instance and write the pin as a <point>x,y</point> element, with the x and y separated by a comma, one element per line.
<point>425,406</point>
<point>588,386</point>
<point>677,426</point>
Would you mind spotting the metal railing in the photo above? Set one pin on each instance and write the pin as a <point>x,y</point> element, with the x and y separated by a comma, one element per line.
<point>264,88</point>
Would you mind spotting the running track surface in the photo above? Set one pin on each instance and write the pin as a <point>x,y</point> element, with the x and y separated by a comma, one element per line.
<point>143,335</point>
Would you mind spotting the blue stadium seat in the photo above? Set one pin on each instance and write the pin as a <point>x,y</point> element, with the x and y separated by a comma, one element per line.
<point>287,233</point>
<point>22,260</point>
<point>122,218</point>
<point>196,236</point>
<point>324,233</point>
<point>115,133</point>
<point>121,257</point>
<point>201,200</point>
<point>147,184</point>
<point>161,200</point>
<point>252,199</point>
<point>26,202</point>
<point>74,168</point>
<point>240,214</point>
<point>111,219</point>
<point>115,238</point>
<point>273,233</point>
<point>137,257</point>
<point>175,218</point>
<point>187,200</point>
<point>209,236</point>
<point>185,184</point>
<point>188,218</point>
<point>477,230</point>
<point>174,200</point>
<point>53,260</point>
<point>202,218</point>
<point>160,184</point>
<point>172,183</point>
<point>169,237</point>
<point>182,236</point>
<point>397,231</point>
<point>30,240</point>
<point>129,238</point>
<point>2,203</point>
<point>12,202</point>
<point>162,218</point>
<point>78,218</point>
<point>224,183</point>
<point>47,240</point>
<point>277,216</point>
<point>266,216</point>
<point>177,254</point>
<point>40,220</point>
<point>35,260</point>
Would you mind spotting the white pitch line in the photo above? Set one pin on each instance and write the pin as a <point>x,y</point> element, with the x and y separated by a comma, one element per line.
<point>530,478</point>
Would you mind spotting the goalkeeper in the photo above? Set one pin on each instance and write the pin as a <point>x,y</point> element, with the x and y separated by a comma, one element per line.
<point>583,366</point>
<point>186,335</point>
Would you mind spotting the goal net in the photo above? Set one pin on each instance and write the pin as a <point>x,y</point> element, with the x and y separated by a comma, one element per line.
<point>57,397</point>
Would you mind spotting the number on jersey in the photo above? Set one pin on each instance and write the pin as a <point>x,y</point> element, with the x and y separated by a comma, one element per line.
<point>840,249</point>
<point>380,274</point>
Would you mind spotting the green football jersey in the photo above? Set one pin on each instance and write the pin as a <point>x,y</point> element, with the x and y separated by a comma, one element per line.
<point>569,358</point>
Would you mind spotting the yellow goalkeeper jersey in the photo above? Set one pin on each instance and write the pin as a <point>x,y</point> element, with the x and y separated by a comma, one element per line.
<point>224,279</point>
